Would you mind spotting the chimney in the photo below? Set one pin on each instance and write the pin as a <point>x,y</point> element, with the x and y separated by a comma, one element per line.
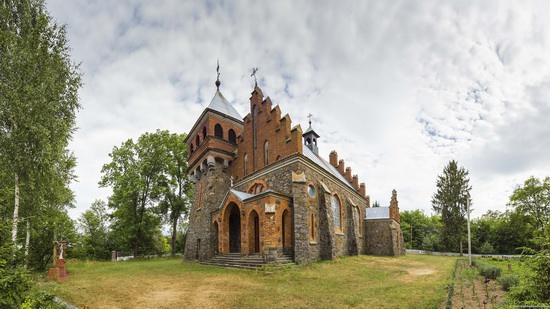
<point>355,182</point>
<point>368,200</point>
<point>348,174</point>
<point>340,166</point>
<point>362,189</point>
<point>333,158</point>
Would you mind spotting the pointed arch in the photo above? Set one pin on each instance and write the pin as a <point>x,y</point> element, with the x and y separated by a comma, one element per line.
<point>232,136</point>
<point>286,232</point>
<point>253,232</point>
<point>232,227</point>
<point>336,212</point>
<point>218,131</point>
<point>266,153</point>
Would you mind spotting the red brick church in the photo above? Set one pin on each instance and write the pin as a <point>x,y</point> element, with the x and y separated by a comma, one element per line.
<point>261,188</point>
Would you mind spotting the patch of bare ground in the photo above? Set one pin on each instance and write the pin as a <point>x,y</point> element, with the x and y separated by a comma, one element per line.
<point>203,293</point>
<point>471,290</point>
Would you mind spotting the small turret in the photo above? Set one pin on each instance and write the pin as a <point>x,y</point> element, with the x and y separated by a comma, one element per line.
<point>310,138</point>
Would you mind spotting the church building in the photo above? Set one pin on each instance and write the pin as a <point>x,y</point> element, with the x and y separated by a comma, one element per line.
<point>261,188</point>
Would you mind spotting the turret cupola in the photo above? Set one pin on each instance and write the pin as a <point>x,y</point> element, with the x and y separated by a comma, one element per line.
<point>310,137</point>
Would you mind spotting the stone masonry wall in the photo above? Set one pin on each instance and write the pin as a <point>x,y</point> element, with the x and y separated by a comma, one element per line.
<point>383,237</point>
<point>209,191</point>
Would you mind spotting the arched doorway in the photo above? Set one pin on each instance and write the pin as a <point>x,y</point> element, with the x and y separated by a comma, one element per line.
<point>253,233</point>
<point>286,232</point>
<point>234,229</point>
<point>215,239</point>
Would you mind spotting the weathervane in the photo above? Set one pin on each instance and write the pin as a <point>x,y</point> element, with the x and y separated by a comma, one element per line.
<point>309,116</point>
<point>254,70</point>
<point>218,83</point>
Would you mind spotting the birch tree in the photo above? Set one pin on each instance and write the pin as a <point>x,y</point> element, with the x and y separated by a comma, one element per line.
<point>38,100</point>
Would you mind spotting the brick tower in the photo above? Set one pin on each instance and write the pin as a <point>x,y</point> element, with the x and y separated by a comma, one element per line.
<point>212,144</point>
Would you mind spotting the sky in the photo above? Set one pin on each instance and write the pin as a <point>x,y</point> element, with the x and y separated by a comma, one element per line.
<point>397,88</point>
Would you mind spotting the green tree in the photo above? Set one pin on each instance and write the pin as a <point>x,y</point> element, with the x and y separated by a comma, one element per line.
<point>175,198</point>
<point>533,200</point>
<point>425,230</point>
<point>138,177</point>
<point>449,201</point>
<point>38,103</point>
<point>95,225</point>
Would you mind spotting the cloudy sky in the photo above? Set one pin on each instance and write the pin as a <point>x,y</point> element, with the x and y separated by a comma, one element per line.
<point>398,88</point>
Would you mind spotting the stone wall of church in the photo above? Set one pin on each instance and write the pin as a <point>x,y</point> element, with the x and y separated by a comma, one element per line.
<point>210,189</point>
<point>383,237</point>
<point>315,236</point>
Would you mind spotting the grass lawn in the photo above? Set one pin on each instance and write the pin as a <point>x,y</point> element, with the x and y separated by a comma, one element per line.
<point>411,281</point>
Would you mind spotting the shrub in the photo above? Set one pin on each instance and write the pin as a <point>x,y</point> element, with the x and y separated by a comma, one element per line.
<point>488,270</point>
<point>486,248</point>
<point>508,281</point>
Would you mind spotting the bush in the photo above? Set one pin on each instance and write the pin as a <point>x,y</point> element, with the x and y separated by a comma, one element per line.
<point>488,270</point>
<point>486,248</point>
<point>508,281</point>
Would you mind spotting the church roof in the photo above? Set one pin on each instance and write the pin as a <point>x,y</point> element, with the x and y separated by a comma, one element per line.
<point>220,104</point>
<point>241,195</point>
<point>324,165</point>
<point>310,129</point>
<point>378,213</point>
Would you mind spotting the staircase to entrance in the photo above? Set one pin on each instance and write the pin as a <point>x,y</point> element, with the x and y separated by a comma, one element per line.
<point>253,261</point>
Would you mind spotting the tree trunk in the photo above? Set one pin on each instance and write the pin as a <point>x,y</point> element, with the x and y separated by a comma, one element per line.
<point>15,214</point>
<point>27,243</point>
<point>461,254</point>
<point>174,234</point>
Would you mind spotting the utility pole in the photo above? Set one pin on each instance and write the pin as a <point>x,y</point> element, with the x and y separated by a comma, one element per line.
<point>469,234</point>
<point>412,236</point>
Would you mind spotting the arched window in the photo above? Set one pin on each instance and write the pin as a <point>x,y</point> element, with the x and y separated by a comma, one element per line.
<point>336,210</point>
<point>197,141</point>
<point>192,148</point>
<point>257,188</point>
<point>254,116</point>
<point>203,132</point>
<point>359,222</point>
<point>266,153</point>
<point>312,227</point>
<point>232,136</point>
<point>308,141</point>
<point>218,131</point>
<point>245,163</point>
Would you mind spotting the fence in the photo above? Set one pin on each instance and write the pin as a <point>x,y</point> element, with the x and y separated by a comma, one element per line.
<point>117,256</point>
<point>500,256</point>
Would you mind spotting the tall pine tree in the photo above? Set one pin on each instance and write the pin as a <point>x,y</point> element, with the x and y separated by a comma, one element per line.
<point>449,201</point>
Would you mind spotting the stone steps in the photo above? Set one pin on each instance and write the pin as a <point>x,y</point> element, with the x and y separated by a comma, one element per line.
<point>254,261</point>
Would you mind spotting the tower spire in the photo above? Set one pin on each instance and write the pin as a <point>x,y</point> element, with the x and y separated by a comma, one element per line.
<point>218,83</point>
<point>254,70</point>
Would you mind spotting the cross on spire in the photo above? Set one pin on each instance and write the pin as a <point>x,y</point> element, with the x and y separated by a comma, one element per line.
<point>254,70</point>
<point>218,83</point>
<point>309,116</point>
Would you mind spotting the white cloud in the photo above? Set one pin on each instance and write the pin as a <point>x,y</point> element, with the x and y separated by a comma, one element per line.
<point>397,88</point>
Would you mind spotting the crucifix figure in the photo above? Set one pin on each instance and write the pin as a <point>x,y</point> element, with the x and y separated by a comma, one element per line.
<point>254,70</point>
<point>231,181</point>
<point>309,116</point>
